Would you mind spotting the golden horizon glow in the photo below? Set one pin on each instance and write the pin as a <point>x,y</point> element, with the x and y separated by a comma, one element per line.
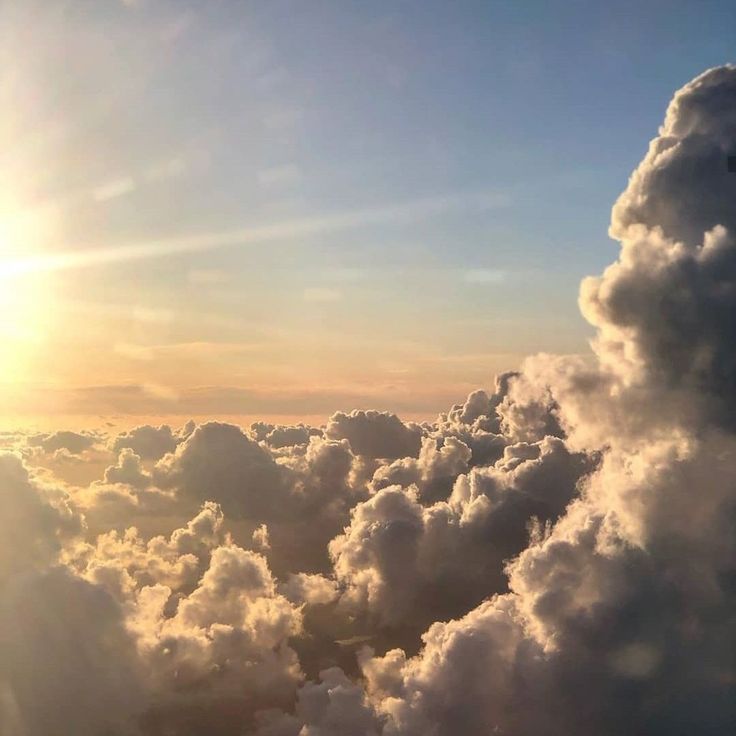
<point>129,347</point>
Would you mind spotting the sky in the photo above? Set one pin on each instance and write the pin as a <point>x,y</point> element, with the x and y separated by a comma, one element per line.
<point>246,248</point>
<point>283,209</point>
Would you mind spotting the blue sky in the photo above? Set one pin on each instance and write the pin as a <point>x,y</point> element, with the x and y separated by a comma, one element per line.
<point>486,141</point>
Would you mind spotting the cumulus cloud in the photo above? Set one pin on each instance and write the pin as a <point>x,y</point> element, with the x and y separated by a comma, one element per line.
<point>126,633</point>
<point>334,706</point>
<point>220,462</point>
<point>34,519</point>
<point>375,434</point>
<point>665,310</point>
<point>408,565</point>
<point>666,316</point>
<point>149,443</point>
<point>65,658</point>
<point>288,436</point>
<point>224,652</point>
<point>629,613</point>
<point>128,470</point>
<point>478,422</point>
<point>123,562</point>
<point>433,473</point>
<point>302,493</point>
<point>683,187</point>
<point>73,442</point>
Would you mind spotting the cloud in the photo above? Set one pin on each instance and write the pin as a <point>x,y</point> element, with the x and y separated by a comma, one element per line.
<point>683,186</point>
<point>65,658</point>
<point>124,562</point>
<point>224,652</point>
<point>665,310</point>
<point>303,492</point>
<point>666,316</point>
<point>407,565</point>
<point>149,443</point>
<point>433,473</point>
<point>335,706</point>
<point>114,189</point>
<point>127,632</point>
<point>321,225</point>
<point>34,519</point>
<point>553,556</point>
<point>279,436</point>
<point>220,462</point>
<point>128,471</point>
<point>596,610</point>
<point>73,442</point>
<point>375,434</point>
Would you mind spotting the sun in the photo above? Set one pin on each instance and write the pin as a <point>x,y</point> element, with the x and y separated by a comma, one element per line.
<point>17,303</point>
<point>24,302</point>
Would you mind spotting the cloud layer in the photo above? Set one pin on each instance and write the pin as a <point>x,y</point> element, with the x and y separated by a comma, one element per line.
<point>554,556</point>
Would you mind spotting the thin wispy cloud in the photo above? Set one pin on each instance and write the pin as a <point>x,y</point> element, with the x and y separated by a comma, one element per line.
<point>114,189</point>
<point>414,210</point>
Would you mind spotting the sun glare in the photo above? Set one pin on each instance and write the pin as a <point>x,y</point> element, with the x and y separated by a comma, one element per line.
<point>23,296</point>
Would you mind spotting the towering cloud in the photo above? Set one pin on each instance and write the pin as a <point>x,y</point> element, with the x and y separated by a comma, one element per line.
<point>556,556</point>
<point>666,310</point>
<point>683,187</point>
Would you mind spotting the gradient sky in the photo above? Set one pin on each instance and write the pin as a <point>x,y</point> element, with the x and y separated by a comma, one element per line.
<point>285,208</point>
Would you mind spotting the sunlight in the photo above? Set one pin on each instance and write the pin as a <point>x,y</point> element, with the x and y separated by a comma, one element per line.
<point>23,296</point>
